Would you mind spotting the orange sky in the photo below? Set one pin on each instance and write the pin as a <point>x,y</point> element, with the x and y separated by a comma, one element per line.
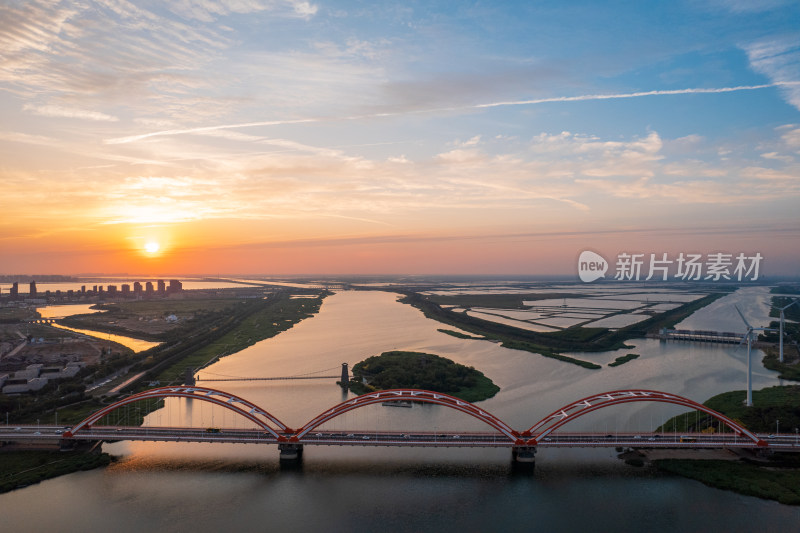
<point>295,138</point>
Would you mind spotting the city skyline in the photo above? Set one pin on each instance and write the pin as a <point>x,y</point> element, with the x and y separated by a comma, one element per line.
<point>340,138</point>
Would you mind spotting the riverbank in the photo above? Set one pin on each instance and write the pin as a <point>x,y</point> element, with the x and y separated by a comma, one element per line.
<point>22,468</point>
<point>767,481</point>
<point>775,478</point>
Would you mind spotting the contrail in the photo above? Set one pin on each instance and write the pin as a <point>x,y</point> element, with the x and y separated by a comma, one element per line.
<point>581,98</point>
<point>635,95</point>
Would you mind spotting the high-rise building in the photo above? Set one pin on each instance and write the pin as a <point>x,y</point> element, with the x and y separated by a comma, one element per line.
<point>148,287</point>
<point>126,289</point>
<point>32,290</point>
<point>175,285</point>
<point>137,288</point>
<point>14,291</point>
<point>162,287</point>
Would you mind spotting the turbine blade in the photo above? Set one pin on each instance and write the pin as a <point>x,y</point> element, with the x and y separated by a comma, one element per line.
<point>746,323</point>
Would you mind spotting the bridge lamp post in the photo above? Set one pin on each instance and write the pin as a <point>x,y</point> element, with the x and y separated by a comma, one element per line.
<point>777,426</point>
<point>796,435</point>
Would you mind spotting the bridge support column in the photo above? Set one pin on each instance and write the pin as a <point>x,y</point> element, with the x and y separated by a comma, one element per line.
<point>345,382</point>
<point>524,454</point>
<point>290,451</point>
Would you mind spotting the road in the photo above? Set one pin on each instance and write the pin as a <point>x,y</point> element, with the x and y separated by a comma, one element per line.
<point>54,434</point>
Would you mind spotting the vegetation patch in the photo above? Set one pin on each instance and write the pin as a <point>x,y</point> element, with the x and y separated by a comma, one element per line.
<point>460,335</point>
<point>621,360</point>
<point>415,370</point>
<point>780,485</point>
<point>789,369</point>
<point>769,405</point>
<point>248,323</point>
<point>20,469</point>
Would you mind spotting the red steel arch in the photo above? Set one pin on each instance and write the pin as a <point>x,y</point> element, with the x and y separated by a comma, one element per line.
<point>236,404</point>
<point>586,405</point>
<point>414,395</point>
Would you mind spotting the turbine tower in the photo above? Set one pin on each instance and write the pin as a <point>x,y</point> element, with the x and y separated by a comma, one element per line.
<point>749,338</point>
<point>780,336</point>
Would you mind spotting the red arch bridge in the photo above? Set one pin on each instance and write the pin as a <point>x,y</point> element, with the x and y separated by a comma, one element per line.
<point>270,430</point>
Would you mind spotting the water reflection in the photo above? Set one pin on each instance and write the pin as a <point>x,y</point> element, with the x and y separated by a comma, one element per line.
<point>209,487</point>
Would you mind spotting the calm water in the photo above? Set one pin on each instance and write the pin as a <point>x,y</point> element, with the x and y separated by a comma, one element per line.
<point>60,311</point>
<point>204,487</point>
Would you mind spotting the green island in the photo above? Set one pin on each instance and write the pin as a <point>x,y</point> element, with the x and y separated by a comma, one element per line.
<point>622,359</point>
<point>775,477</point>
<point>416,370</point>
<point>547,344</point>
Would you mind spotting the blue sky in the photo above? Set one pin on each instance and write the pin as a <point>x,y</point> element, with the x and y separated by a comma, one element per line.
<point>348,137</point>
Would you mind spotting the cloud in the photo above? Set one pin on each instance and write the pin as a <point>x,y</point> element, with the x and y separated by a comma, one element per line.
<point>210,10</point>
<point>310,120</point>
<point>779,60</point>
<point>67,112</point>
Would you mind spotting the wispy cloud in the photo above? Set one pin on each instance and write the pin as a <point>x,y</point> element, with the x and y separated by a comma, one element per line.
<point>779,60</point>
<point>537,101</point>
<point>68,112</point>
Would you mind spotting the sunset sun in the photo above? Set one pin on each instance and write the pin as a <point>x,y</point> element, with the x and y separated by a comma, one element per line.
<point>152,247</point>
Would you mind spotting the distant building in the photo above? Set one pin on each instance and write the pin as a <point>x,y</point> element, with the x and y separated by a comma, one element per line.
<point>32,290</point>
<point>175,286</point>
<point>14,291</point>
<point>126,289</point>
<point>162,287</point>
<point>112,290</point>
<point>137,288</point>
<point>148,287</point>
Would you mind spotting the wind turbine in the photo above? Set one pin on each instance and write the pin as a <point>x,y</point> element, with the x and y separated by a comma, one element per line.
<point>749,337</point>
<point>780,341</point>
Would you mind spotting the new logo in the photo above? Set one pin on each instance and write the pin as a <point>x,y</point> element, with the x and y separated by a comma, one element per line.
<point>591,266</point>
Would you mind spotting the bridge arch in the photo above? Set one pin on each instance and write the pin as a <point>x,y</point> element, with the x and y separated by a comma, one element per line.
<point>586,405</point>
<point>236,404</point>
<point>413,395</point>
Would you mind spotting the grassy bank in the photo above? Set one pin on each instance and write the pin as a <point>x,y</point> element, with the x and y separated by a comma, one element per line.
<point>769,405</point>
<point>778,479</point>
<point>20,469</point>
<point>782,486</point>
<point>460,335</point>
<point>415,370</point>
<point>258,320</point>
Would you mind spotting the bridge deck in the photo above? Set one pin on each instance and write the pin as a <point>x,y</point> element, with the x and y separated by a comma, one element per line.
<point>54,435</point>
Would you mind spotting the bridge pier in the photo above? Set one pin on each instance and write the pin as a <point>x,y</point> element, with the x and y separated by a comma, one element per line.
<point>290,452</point>
<point>345,382</point>
<point>524,454</point>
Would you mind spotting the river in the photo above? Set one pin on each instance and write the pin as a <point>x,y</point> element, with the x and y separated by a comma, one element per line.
<point>60,311</point>
<point>205,487</point>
